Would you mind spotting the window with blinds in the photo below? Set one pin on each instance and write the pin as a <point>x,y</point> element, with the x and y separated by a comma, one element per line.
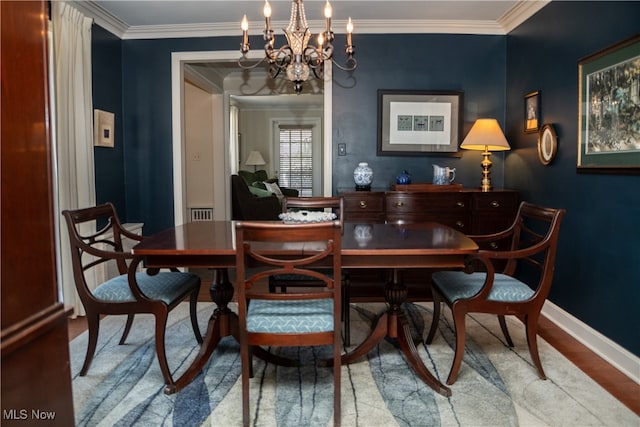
<point>296,158</point>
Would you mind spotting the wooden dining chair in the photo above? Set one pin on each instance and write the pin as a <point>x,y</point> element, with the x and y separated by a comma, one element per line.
<point>284,281</point>
<point>520,289</point>
<point>129,293</point>
<point>307,317</point>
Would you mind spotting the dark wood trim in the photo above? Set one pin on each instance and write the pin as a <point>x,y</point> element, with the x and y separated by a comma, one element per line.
<point>31,328</point>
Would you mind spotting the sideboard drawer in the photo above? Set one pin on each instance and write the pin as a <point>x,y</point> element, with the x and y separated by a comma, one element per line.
<point>496,201</point>
<point>364,206</point>
<point>461,221</point>
<point>405,202</point>
<point>451,208</point>
<point>493,211</point>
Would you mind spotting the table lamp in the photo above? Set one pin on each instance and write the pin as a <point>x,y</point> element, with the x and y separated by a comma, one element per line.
<point>255,159</point>
<point>485,136</point>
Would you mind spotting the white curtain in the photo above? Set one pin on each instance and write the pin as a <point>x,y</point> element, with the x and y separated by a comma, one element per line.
<point>234,142</point>
<point>73,130</point>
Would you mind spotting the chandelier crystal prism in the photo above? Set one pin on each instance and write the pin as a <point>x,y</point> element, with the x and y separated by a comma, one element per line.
<point>298,59</point>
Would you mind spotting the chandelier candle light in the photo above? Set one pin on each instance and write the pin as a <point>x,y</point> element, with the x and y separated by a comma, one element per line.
<point>297,58</point>
<point>485,135</point>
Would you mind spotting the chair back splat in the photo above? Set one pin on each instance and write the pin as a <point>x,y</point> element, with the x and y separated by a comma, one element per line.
<point>307,317</point>
<point>519,288</point>
<point>130,292</point>
<point>283,281</point>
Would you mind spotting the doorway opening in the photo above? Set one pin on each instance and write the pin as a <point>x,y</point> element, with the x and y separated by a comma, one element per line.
<point>221,166</point>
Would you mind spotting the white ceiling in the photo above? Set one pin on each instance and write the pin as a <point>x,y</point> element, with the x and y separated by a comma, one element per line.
<point>166,19</point>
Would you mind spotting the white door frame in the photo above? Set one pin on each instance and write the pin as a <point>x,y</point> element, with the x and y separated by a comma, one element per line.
<point>222,178</point>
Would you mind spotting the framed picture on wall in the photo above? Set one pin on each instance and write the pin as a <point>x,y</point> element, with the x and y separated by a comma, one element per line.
<point>609,109</point>
<point>532,112</point>
<point>419,122</point>
<point>103,126</point>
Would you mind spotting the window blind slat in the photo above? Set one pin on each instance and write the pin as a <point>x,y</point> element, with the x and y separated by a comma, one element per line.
<point>296,158</point>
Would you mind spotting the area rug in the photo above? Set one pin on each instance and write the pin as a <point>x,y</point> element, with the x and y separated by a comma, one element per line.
<point>497,385</point>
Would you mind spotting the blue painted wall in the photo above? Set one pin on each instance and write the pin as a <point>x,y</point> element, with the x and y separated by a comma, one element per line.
<point>598,269</point>
<point>598,266</point>
<point>146,91</point>
<point>107,95</point>
<point>475,65</point>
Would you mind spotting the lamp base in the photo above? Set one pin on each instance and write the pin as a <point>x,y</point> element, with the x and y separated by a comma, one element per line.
<point>486,187</point>
<point>486,170</point>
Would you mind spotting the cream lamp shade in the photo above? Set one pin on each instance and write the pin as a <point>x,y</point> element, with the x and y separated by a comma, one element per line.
<point>255,159</point>
<point>485,135</point>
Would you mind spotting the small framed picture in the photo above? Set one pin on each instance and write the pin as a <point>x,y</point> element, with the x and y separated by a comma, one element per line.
<point>532,112</point>
<point>103,122</point>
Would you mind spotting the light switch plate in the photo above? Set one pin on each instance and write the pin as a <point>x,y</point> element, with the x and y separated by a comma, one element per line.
<point>342,149</point>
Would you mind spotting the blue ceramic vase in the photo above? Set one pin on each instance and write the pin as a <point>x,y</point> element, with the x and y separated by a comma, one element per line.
<point>404,178</point>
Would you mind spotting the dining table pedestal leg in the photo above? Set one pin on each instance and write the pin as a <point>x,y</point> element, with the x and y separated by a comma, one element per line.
<point>223,322</point>
<point>393,324</point>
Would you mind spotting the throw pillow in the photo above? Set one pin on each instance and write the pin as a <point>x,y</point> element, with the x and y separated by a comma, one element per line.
<point>259,184</point>
<point>259,192</point>
<point>273,187</point>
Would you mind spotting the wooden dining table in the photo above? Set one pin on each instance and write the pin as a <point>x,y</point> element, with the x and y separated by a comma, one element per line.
<point>210,244</point>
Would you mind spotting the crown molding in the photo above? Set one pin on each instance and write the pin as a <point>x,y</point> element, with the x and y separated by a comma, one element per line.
<point>428,26</point>
<point>102,17</point>
<point>364,27</point>
<point>182,31</point>
<point>515,16</point>
<point>519,13</point>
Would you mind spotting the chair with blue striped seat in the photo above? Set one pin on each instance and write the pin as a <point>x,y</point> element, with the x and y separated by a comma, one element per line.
<point>95,237</point>
<point>306,317</point>
<point>284,281</point>
<point>520,289</point>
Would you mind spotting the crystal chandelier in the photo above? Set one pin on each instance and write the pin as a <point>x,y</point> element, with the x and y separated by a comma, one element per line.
<point>297,58</point>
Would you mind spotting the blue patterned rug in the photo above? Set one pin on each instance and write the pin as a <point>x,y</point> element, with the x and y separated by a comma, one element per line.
<point>497,386</point>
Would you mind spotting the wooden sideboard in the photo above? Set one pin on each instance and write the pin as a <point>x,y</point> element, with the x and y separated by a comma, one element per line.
<point>468,210</point>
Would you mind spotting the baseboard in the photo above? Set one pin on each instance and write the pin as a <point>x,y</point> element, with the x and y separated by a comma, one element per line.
<point>617,356</point>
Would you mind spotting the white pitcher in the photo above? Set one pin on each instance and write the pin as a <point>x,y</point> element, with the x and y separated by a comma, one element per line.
<point>443,176</point>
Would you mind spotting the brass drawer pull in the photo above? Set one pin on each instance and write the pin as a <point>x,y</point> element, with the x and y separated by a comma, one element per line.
<point>460,204</point>
<point>399,204</point>
<point>363,204</point>
<point>495,204</point>
<point>459,224</point>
